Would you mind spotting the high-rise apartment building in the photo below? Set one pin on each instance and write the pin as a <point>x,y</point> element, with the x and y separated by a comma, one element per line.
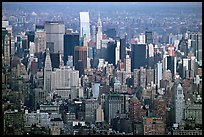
<point>55,31</point>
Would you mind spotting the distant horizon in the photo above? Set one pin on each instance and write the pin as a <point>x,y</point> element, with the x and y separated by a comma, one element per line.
<point>191,4</point>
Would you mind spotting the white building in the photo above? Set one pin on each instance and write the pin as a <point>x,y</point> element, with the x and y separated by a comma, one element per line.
<point>32,49</point>
<point>64,77</point>
<point>141,39</point>
<point>85,25</point>
<point>127,63</point>
<point>158,74</point>
<point>99,34</point>
<point>47,72</point>
<point>151,50</point>
<point>179,104</point>
<point>117,52</point>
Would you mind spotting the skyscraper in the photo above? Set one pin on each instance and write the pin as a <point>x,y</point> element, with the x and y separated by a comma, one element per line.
<point>47,72</point>
<point>122,49</point>
<point>138,56</point>
<point>80,59</point>
<point>31,37</point>
<point>148,37</point>
<point>70,41</point>
<point>99,33</point>
<point>111,52</point>
<point>127,64</point>
<point>196,45</point>
<point>179,104</point>
<point>55,31</point>
<point>84,25</point>
<point>7,47</point>
<point>158,75</point>
<point>40,40</point>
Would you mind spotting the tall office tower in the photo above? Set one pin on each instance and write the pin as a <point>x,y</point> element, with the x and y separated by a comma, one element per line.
<point>122,49</point>
<point>24,39</point>
<point>19,46</point>
<point>90,110</point>
<point>47,72</point>
<point>111,32</point>
<point>171,38</point>
<point>85,25</point>
<point>6,43</point>
<point>117,52</point>
<point>70,41</point>
<point>55,31</point>
<point>142,38</point>
<point>196,44</point>
<point>80,59</point>
<point>32,49</point>
<point>183,46</point>
<point>127,62</point>
<point>186,66</point>
<point>171,50</point>
<point>6,50</point>
<point>136,77</point>
<point>31,37</point>
<point>138,56</point>
<point>199,50</point>
<point>40,40</point>
<point>150,76</point>
<point>111,52</point>
<point>179,104</point>
<point>158,74</point>
<point>99,33</point>
<point>115,103</point>
<point>94,33</point>
<point>150,55</point>
<point>143,77</point>
<point>148,37</point>
<point>170,63</point>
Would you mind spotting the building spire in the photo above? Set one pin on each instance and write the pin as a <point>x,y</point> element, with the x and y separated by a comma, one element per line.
<point>48,63</point>
<point>99,20</point>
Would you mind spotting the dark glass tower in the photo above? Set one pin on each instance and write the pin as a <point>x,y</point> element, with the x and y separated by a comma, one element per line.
<point>111,53</point>
<point>138,56</point>
<point>70,41</point>
<point>148,37</point>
